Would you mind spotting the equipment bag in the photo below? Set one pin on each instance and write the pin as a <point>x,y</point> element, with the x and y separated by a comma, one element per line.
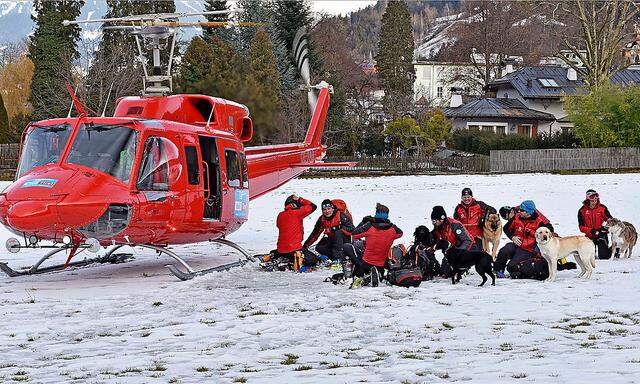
<point>341,206</point>
<point>405,277</point>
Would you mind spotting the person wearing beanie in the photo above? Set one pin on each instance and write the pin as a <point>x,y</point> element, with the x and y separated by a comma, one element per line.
<point>450,231</point>
<point>592,218</point>
<point>336,224</point>
<point>521,257</point>
<point>291,228</point>
<point>379,233</point>
<point>472,214</point>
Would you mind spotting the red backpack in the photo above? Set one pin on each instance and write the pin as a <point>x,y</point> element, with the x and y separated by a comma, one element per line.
<point>341,206</point>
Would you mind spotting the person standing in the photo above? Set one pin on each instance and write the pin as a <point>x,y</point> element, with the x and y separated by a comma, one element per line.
<point>472,213</point>
<point>592,218</point>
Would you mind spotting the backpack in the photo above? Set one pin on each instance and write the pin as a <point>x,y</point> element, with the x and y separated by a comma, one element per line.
<point>404,270</point>
<point>341,206</point>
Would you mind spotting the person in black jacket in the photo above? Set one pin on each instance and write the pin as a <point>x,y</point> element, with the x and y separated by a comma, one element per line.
<point>336,226</point>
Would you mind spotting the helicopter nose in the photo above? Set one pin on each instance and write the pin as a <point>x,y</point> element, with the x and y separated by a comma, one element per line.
<point>38,215</point>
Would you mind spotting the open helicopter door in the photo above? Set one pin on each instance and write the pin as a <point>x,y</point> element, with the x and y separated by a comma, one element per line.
<point>210,178</point>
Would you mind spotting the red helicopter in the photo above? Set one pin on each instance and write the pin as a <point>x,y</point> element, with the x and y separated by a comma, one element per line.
<point>164,170</point>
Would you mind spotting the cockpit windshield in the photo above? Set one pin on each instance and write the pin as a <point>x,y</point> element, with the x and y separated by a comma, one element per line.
<point>43,145</point>
<point>107,148</point>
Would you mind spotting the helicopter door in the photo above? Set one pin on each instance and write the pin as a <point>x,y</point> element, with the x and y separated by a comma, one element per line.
<point>239,188</point>
<point>210,178</point>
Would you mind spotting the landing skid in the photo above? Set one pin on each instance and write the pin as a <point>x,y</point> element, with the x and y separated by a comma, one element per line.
<point>191,273</point>
<point>36,270</point>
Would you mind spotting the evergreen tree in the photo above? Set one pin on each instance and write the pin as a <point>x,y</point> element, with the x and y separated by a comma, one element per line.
<point>394,61</point>
<point>195,65</point>
<point>263,83</point>
<point>224,75</point>
<point>223,33</point>
<point>5,133</point>
<point>52,48</point>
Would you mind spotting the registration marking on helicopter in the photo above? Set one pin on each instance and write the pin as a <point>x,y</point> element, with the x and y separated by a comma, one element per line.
<point>46,183</point>
<point>241,205</point>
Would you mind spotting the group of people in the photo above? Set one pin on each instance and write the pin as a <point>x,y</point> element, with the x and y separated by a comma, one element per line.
<point>454,236</point>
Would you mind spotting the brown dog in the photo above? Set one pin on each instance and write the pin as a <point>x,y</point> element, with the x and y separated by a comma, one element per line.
<point>491,232</point>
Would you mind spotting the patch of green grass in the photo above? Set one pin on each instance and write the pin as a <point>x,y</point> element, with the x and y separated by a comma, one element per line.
<point>132,370</point>
<point>580,324</point>
<point>70,357</point>
<point>407,381</point>
<point>520,375</point>
<point>592,337</point>
<point>173,380</point>
<point>202,369</point>
<point>20,378</point>
<point>303,368</point>
<point>334,365</point>
<point>179,334</point>
<point>447,325</point>
<point>248,370</point>
<point>504,347</point>
<point>207,321</point>
<point>439,350</point>
<point>240,379</point>
<point>21,373</point>
<point>157,303</point>
<point>411,356</point>
<point>616,332</point>
<point>290,359</point>
<point>443,375</point>
<point>258,313</point>
<point>145,334</point>
<point>634,361</point>
<point>587,344</point>
<point>615,321</point>
<point>157,366</point>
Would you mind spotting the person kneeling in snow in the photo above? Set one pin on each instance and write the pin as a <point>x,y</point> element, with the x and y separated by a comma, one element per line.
<point>521,257</point>
<point>451,237</point>
<point>337,227</point>
<point>379,234</point>
<point>289,253</point>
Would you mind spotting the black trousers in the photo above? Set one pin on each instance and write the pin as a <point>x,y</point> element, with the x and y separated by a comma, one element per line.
<point>602,244</point>
<point>509,256</point>
<point>332,246</point>
<point>360,267</point>
<point>310,258</point>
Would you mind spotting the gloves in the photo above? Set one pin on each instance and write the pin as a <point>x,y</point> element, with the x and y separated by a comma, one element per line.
<point>599,232</point>
<point>442,245</point>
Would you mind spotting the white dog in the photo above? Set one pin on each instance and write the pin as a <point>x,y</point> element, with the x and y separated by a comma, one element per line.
<point>623,237</point>
<point>555,248</point>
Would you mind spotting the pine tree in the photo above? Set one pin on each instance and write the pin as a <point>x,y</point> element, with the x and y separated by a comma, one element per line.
<point>394,61</point>
<point>225,73</point>
<point>5,134</point>
<point>288,17</point>
<point>53,49</point>
<point>263,82</point>
<point>195,65</point>
<point>223,33</point>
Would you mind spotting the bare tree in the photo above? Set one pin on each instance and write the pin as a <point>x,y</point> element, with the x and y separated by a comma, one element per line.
<point>595,31</point>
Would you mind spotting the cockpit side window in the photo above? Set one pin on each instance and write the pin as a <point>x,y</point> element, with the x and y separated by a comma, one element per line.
<point>43,145</point>
<point>160,165</point>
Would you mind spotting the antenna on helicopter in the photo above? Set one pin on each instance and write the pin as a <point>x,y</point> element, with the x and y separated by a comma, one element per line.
<point>104,110</point>
<point>152,32</point>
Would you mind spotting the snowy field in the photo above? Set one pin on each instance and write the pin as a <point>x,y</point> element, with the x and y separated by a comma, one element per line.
<point>136,323</point>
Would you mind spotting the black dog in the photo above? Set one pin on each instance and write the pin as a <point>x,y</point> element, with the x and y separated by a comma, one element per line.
<point>422,250</point>
<point>460,261</point>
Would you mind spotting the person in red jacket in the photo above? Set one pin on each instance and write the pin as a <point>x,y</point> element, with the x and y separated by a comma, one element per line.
<point>451,231</point>
<point>523,249</point>
<point>379,234</point>
<point>291,229</point>
<point>472,213</point>
<point>592,218</point>
<point>336,226</point>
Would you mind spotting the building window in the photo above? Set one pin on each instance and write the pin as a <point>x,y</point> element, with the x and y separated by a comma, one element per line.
<point>487,128</point>
<point>501,130</point>
<point>466,90</point>
<point>525,129</point>
<point>473,127</point>
<point>439,92</point>
<point>565,130</point>
<point>548,83</point>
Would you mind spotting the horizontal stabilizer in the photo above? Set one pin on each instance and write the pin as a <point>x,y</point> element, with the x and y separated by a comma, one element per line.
<point>325,165</point>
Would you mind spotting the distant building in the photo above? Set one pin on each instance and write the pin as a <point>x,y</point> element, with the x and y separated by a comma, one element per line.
<point>434,81</point>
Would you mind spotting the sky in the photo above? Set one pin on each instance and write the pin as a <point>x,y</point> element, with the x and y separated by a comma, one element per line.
<point>340,7</point>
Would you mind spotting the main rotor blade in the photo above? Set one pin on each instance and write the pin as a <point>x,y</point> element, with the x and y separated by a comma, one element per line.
<point>209,23</point>
<point>152,16</point>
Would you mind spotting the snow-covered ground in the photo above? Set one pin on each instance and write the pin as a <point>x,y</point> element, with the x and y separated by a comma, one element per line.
<point>136,323</point>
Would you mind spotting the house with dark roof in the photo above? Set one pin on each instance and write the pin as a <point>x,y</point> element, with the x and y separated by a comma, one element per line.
<point>527,101</point>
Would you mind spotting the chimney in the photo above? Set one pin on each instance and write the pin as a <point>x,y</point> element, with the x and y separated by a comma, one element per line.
<point>456,98</point>
<point>572,75</point>
<point>507,67</point>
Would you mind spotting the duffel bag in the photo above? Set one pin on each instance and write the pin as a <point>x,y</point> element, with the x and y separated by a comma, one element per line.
<point>405,277</point>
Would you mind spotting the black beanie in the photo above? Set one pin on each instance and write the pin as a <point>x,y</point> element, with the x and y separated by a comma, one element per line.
<point>290,200</point>
<point>438,213</point>
<point>326,202</point>
<point>504,212</point>
<point>467,191</point>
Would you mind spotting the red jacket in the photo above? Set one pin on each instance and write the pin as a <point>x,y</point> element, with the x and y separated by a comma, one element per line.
<point>340,221</point>
<point>525,229</point>
<point>455,233</point>
<point>291,230</point>
<point>589,218</point>
<point>380,234</point>
<point>472,216</point>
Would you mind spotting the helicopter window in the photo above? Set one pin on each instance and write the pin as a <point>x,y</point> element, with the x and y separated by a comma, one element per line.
<point>107,148</point>
<point>43,145</point>
<point>245,170</point>
<point>193,172</point>
<point>233,169</point>
<point>160,165</point>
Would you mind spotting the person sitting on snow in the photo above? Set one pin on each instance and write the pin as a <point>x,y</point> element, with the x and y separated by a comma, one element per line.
<point>521,257</point>
<point>379,234</point>
<point>291,232</point>
<point>472,213</point>
<point>451,237</point>
<point>592,217</point>
<point>336,226</point>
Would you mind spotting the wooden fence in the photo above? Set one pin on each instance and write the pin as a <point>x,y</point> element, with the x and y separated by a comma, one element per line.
<point>9,156</point>
<point>430,164</point>
<point>547,160</point>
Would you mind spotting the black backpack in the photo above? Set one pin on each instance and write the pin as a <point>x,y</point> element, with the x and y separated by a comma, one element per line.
<point>404,270</point>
